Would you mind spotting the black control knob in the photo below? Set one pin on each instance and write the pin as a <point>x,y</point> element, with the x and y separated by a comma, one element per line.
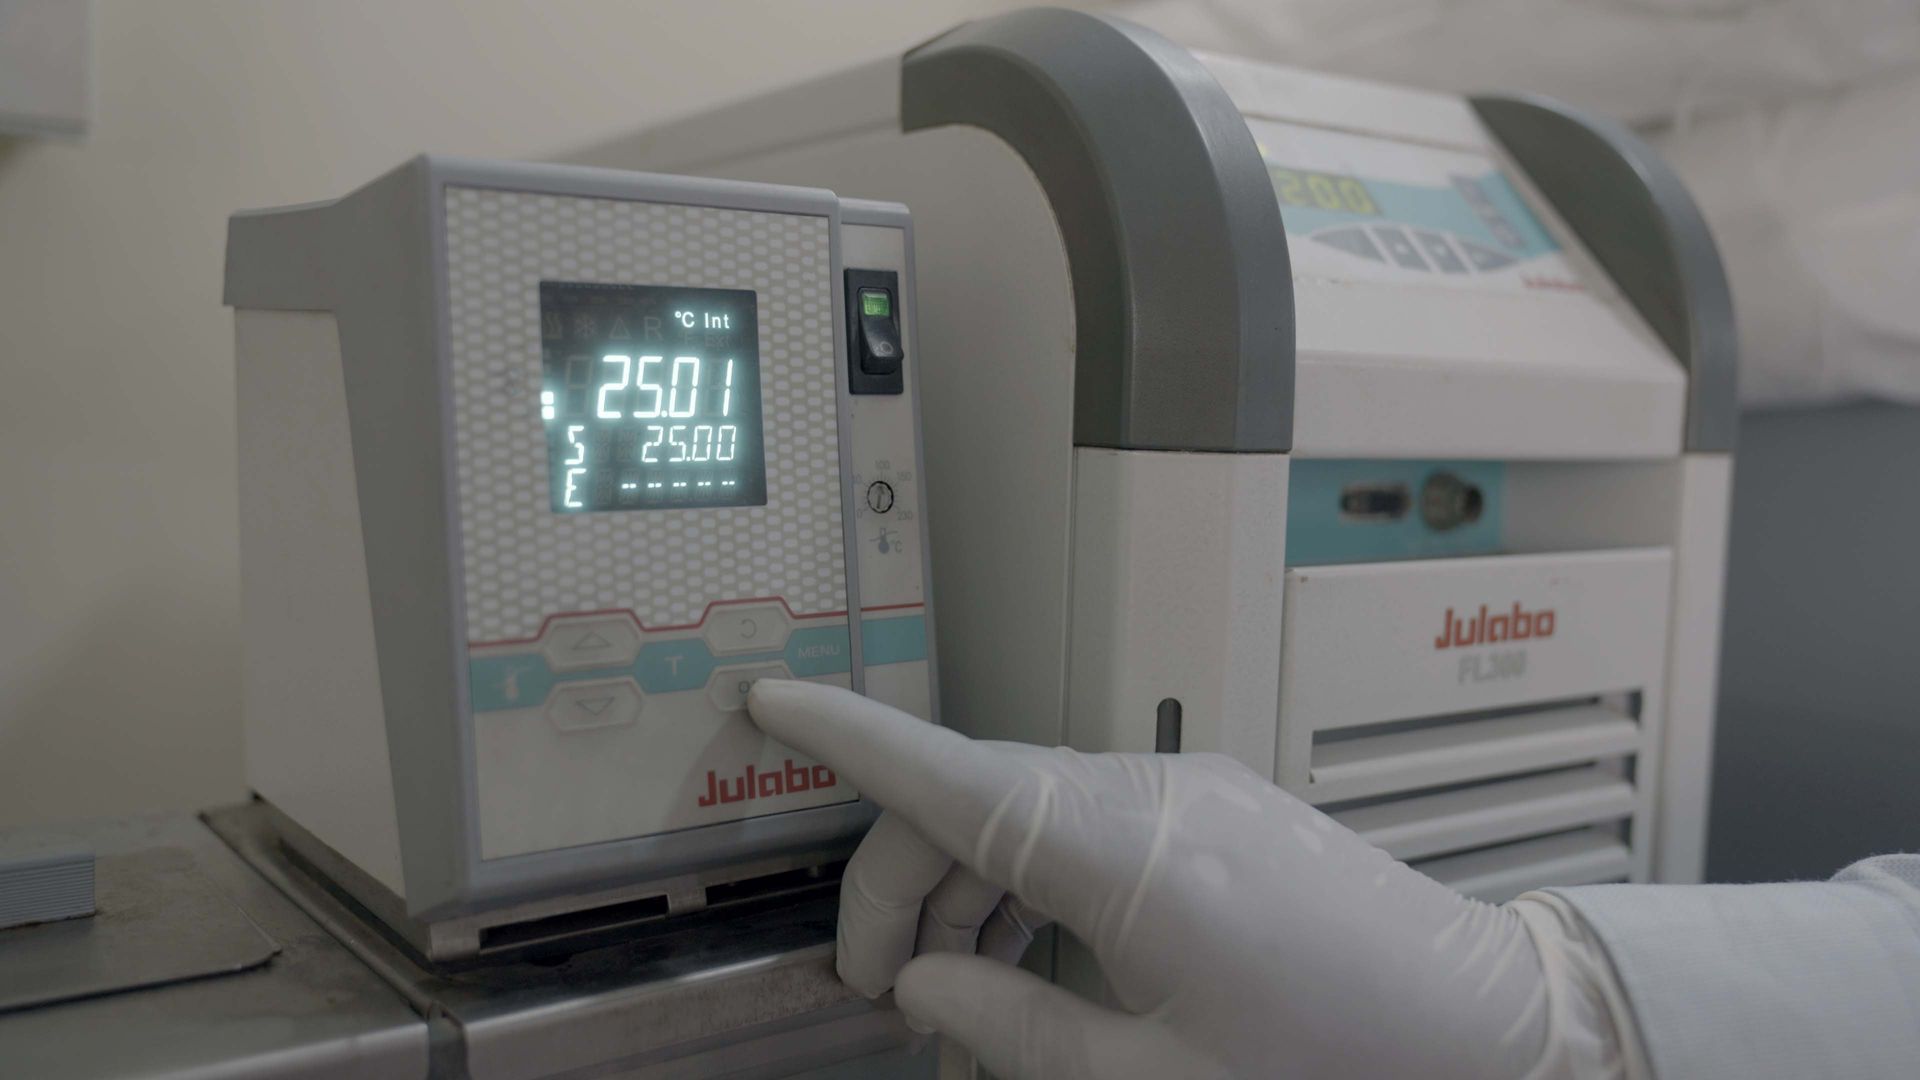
<point>1446,502</point>
<point>880,496</point>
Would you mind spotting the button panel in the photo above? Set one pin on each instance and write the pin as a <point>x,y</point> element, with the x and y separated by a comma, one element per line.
<point>1442,252</point>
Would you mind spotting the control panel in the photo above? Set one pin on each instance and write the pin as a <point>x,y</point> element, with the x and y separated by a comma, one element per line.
<point>1370,208</point>
<point>889,512</point>
<point>677,501</point>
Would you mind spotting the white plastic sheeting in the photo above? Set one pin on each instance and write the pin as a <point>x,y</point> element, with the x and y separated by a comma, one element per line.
<point>1796,123</point>
<point>1644,61</point>
<point>1816,207</point>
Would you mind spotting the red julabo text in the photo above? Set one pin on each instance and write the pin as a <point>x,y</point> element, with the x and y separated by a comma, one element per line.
<point>1485,629</point>
<point>754,784</point>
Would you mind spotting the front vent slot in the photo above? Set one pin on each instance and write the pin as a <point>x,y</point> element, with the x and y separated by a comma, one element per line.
<point>656,913</point>
<point>1482,814</point>
<point>1493,802</point>
<point>1404,758</point>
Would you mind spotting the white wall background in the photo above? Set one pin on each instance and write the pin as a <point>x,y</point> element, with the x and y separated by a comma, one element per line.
<point>118,563</point>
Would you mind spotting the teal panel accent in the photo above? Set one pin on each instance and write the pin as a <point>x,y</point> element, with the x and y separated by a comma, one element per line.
<point>518,681</point>
<point>1442,209</point>
<point>1319,533</point>
<point>895,639</point>
<point>819,650</point>
<point>666,666</point>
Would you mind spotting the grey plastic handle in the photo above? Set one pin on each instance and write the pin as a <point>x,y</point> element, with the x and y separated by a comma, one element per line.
<point>1631,210</point>
<point>1183,293</point>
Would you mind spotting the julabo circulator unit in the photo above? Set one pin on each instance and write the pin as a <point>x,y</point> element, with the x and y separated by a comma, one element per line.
<point>540,468</point>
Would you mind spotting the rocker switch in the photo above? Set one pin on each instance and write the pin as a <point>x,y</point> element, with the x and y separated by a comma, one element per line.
<point>877,351</point>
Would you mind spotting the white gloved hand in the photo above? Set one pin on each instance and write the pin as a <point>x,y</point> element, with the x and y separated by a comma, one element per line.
<point>1242,932</point>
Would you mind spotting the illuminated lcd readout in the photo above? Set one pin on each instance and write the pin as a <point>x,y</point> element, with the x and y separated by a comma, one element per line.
<point>1324,191</point>
<point>650,396</point>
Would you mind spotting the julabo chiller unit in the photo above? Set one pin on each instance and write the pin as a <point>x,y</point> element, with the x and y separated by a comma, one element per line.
<point>1375,437</point>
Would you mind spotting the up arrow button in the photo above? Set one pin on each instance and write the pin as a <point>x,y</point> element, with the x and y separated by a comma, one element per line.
<point>584,642</point>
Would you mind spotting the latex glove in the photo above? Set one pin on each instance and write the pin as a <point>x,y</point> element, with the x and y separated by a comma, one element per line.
<point>1242,932</point>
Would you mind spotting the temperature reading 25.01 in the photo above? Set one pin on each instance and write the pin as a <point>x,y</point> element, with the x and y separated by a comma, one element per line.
<point>650,397</point>
<point>679,398</point>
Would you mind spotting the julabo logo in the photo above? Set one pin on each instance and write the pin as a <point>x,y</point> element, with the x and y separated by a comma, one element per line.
<point>753,784</point>
<point>1483,629</point>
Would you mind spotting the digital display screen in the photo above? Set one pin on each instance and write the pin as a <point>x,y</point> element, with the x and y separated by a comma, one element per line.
<point>651,397</point>
<point>1324,191</point>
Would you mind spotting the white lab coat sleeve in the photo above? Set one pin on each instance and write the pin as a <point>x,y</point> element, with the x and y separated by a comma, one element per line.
<point>1761,981</point>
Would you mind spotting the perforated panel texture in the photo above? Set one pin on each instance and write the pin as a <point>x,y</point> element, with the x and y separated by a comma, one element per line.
<point>524,562</point>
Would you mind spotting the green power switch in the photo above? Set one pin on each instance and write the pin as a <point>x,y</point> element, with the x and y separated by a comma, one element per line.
<point>876,349</point>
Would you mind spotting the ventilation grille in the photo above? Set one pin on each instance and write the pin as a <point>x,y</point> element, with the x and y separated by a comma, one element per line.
<point>1493,803</point>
